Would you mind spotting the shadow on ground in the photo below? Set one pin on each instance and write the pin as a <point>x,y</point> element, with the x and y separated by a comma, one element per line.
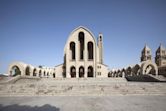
<point>142,78</point>
<point>16,107</point>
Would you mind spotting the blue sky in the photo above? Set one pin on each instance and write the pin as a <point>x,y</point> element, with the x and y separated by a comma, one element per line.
<point>35,31</point>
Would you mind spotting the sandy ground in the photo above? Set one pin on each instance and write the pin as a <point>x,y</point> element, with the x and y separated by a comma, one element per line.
<point>84,103</point>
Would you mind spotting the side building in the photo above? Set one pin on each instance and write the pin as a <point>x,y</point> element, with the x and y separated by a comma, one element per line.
<point>146,65</point>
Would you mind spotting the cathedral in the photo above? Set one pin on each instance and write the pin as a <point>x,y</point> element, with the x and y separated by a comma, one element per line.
<point>83,58</point>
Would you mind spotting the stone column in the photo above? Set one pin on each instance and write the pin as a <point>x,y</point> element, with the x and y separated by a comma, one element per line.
<point>123,75</point>
<point>85,71</point>
<point>77,72</point>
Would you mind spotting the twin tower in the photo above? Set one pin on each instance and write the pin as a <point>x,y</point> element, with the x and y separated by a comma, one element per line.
<point>160,56</point>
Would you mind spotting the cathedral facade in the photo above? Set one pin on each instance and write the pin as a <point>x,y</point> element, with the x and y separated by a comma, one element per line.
<point>83,58</point>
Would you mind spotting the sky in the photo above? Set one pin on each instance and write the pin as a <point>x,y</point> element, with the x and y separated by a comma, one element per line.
<point>35,31</point>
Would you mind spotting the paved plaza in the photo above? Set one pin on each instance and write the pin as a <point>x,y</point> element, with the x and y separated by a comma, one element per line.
<point>84,103</point>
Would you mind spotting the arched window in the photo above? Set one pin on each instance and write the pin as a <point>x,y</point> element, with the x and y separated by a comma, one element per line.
<point>73,72</point>
<point>15,71</point>
<point>34,72</point>
<point>90,50</point>
<point>81,39</point>
<point>81,71</point>
<point>72,48</point>
<point>90,71</point>
<point>27,71</point>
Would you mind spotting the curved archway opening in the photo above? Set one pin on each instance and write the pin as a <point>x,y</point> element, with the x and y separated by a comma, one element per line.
<point>109,74</point>
<point>53,75</point>
<point>27,71</point>
<point>90,71</point>
<point>73,72</point>
<point>44,73</point>
<point>15,71</point>
<point>123,72</point>
<point>136,70</point>
<point>119,73</point>
<point>150,70</point>
<point>128,71</point>
<point>47,74</point>
<point>40,73</point>
<point>114,74</point>
<point>81,72</point>
<point>34,72</point>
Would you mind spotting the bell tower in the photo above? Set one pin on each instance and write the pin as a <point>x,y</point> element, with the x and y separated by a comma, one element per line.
<point>146,54</point>
<point>100,46</point>
<point>160,58</point>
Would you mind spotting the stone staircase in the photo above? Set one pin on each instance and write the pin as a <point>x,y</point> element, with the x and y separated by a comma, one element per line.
<point>5,80</point>
<point>161,78</point>
<point>24,86</point>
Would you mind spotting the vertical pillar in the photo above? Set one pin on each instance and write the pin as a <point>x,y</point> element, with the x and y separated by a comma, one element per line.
<point>77,72</point>
<point>123,74</point>
<point>85,71</point>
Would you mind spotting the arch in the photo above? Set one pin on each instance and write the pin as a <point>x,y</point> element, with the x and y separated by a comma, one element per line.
<point>81,39</point>
<point>47,74</point>
<point>83,29</point>
<point>149,67</point>
<point>34,72</point>
<point>81,71</point>
<point>90,71</point>
<point>73,72</point>
<point>109,74</point>
<point>90,50</point>
<point>27,71</point>
<point>40,73</point>
<point>44,73</point>
<point>20,65</point>
<point>123,72</point>
<point>53,75</point>
<point>136,69</point>
<point>128,71</point>
<point>119,73</point>
<point>15,70</point>
<point>72,48</point>
<point>114,75</point>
